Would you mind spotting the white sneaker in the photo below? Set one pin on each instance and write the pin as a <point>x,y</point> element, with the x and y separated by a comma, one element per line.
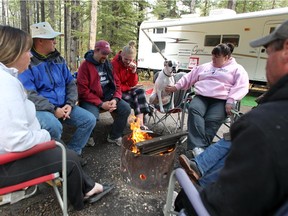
<point>117,141</point>
<point>90,142</point>
<point>197,151</point>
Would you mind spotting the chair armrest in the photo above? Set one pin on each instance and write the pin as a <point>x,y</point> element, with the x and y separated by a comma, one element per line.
<point>191,192</point>
<point>12,156</point>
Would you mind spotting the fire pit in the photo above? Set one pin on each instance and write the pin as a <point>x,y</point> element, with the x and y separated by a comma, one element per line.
<point>149,167</point>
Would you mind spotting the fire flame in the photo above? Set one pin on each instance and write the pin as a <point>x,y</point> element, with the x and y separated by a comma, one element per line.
<point>137,134</point>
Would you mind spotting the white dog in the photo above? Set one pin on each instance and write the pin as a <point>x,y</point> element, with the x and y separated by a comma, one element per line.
<point>165,77</point>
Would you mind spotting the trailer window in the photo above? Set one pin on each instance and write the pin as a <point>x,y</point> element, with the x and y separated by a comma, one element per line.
<point>212,40</point>
<point>159,30</point>
<point>161,46</point>
<point>234,39</point>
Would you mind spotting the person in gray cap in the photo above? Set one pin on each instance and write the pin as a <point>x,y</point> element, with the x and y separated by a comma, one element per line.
<point>254,179</point>
<point>52,88</point>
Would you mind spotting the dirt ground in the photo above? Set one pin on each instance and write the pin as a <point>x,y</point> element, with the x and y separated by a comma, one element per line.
<point>103,166</point>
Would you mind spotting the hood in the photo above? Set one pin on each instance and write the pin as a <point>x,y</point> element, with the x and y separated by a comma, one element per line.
<point>12,71</point>
<point>49,57</point>
<point>279,91</point>
<point>89,57</point>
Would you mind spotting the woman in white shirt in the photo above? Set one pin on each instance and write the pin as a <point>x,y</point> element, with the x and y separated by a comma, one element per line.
<point>20,129</point>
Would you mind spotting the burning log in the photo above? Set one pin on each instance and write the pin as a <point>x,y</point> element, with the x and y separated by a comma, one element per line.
<point>161,144</point>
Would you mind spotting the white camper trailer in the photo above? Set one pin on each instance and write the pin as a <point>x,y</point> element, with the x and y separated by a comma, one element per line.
<point>190,40</point>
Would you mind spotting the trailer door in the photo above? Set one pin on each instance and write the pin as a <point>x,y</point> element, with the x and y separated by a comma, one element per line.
<point>262,56</point>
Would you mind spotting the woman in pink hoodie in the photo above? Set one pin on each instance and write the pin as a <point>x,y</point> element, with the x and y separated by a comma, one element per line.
<point>218,85</point>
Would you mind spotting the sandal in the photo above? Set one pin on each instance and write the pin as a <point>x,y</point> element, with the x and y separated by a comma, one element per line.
<point>95,197</point>
<point>144,128</point>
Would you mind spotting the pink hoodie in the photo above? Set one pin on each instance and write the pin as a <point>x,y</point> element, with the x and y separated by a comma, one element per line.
<point>230,82</point>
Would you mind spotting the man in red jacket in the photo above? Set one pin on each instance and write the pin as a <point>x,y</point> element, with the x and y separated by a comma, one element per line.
<point>99,89</point>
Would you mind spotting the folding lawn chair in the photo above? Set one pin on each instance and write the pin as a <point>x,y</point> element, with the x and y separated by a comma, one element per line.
<point>227,122</point>
<point>14,193</point>
<point>190,190</point>
<point>193,195</point>
<point>160,118</point>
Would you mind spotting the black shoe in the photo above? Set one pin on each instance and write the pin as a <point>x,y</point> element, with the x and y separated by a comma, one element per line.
<point>83,161</point>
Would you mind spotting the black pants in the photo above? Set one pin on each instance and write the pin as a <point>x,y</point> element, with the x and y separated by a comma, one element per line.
<point>182,202</point>
<point>44,163</point>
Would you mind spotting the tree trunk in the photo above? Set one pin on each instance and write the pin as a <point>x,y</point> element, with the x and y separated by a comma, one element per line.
<point>4,15</point>
<point>75,25</point>
<point>192,6</point>
<point>67,29</point>
<point>23,9</point>
<point>42,11</point>
<point>231,4</point>
<point>93,24</point>
<point>52,12</point>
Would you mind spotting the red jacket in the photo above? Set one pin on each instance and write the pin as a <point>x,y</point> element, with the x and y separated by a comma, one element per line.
<point>89,87</point>
<point>125,75</point>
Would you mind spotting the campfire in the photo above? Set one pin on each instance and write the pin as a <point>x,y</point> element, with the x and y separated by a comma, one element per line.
<point>147,158</point>
<point>137,134</point>
<point>150,143</point>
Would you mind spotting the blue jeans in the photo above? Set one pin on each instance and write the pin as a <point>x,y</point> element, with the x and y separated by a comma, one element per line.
<point>83,121</point>
<point>120,121</point>
<point>212,160</point>
<point>205,116</point>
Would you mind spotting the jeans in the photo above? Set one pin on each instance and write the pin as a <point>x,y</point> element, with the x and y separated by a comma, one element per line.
<point>205,116</point>
<point>120,121</point>
<point>211,161</point>
<point>83,121</point>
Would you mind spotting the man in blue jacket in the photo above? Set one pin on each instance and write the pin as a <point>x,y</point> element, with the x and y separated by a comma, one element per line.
<point>52,88</point>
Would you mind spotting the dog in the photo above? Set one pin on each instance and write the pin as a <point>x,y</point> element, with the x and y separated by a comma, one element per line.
<point>165,77</point>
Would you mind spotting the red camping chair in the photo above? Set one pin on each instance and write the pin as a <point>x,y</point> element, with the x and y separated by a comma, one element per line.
<point>16,191</point>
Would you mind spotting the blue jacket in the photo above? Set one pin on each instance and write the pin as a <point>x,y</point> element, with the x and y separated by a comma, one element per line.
<point>49,82</point>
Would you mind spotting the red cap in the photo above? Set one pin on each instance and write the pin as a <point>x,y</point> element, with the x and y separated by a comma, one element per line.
<point>103,46</point>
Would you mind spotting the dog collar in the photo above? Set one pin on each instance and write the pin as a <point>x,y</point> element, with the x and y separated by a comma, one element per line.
<point>167,74</point>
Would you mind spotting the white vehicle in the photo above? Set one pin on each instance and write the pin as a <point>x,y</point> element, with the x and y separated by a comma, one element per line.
<point>190,40</point>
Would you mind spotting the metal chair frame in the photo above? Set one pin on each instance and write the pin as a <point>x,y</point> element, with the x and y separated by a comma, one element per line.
<point>190,190</point>
<point>8,191</point>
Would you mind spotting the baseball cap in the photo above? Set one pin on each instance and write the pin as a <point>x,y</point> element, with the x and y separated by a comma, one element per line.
<point>43,30</point>
<point>103,46</point>
<point>281,32</point>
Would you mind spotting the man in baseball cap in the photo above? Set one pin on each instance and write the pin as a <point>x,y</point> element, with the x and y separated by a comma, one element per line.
<point>43,30</point>
<point>280,33</point>
<point>103,46</point>
<point>53,90</point>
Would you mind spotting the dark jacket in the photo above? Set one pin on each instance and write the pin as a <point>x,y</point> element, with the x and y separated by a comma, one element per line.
<point>49,82</point>
<point>88,82</point>
<point>254,180</point>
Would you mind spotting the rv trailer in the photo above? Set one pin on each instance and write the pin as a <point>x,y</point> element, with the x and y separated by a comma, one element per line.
<point>190,40</point>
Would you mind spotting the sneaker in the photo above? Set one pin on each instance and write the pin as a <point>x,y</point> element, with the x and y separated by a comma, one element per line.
<point>90,142</point>
<point>197,151</point>
<point>117,141</point>
<point>191,168</point>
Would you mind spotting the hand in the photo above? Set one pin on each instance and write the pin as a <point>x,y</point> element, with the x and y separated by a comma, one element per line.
<point>59,113</point>
<point>67,110</point>
<point>133,66</point>
<point>228,108</point>
<point>169,88</point>
<point>109,105</point>
<point>113,105</point>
